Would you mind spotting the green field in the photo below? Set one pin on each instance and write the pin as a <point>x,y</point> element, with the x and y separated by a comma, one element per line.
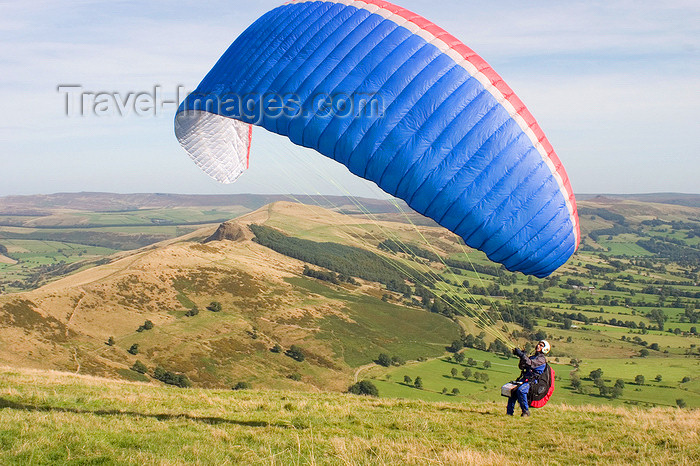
<point>623,245</point>
<point>437,375</point>
<point>60,237</point>
<point>37,252</point>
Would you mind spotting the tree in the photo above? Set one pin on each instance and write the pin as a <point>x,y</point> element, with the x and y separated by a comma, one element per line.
<point>182,381</point>
<point>466,373</point>
<point>159,373</point>
<point>384,360</point>
<point>407,380</point>
<point>658,378</point>
<point>134,348</point>
<point>276,349</point>
<point>680,402</point>
<point>214,306</point>
<point>616,392</point>
<point>487,364</point>
<point>575,380</point>
<point>139,367</point>
<point>469,341</point>
<point>567,323</point>
<point>497,346</point>
<point>654,346</point>
<point>171,378</point>
<point>454,372</point>
<point>192,312</point>
<point>639,380</point>
<point>644,352</point>
<point>418,383</point>
<point>596,374</point>
<point>459,357</point>
<point>398,361</point>
<point>455,346</point>
<point>148,325</point>
<point>620,383</point>
<point>296,353</point>
<point>242,386</point>
<point>455,391</point>
<point>471,362</point>
<point>658,316</point>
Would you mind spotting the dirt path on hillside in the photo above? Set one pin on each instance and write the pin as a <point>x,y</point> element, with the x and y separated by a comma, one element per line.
<point>75,308</point>
<point>361,368</point>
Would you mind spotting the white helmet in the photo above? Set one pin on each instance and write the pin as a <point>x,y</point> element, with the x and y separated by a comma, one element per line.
<point>546,347</point>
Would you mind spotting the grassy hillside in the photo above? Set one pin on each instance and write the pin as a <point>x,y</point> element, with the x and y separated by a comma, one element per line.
<point>627,303</point>
<point>45,237</point>
<point>57,418</point>
<point>94,321</point>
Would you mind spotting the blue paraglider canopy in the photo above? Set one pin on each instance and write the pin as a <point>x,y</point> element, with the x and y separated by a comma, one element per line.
<point>402,103</point>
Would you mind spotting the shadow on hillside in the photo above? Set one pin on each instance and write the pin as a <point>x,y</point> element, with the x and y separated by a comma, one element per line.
<point>161,417</point>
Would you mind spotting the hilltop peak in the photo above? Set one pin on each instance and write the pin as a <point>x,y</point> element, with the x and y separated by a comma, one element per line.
<point>230,231</point>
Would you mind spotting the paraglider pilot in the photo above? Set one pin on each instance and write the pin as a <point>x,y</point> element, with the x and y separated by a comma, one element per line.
<point>531,367</point>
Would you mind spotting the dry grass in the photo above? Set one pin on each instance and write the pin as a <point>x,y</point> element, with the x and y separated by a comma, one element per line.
<point>51,417</point>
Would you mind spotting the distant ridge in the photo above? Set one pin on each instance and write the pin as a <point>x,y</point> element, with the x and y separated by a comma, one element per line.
<point>113,202</point>
<point>44,204</point>
<point>687,200</point>
<point>41,204</point>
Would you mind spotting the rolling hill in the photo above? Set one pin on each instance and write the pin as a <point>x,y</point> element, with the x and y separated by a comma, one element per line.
<point>265,298</point>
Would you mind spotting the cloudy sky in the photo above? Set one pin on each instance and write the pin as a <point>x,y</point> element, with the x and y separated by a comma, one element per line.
<point>614,84</point>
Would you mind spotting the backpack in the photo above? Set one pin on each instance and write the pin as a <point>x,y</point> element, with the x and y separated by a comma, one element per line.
<point>541,389</point>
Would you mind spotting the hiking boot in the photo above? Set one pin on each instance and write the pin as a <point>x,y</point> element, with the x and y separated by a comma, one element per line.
<point>525,414</point>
